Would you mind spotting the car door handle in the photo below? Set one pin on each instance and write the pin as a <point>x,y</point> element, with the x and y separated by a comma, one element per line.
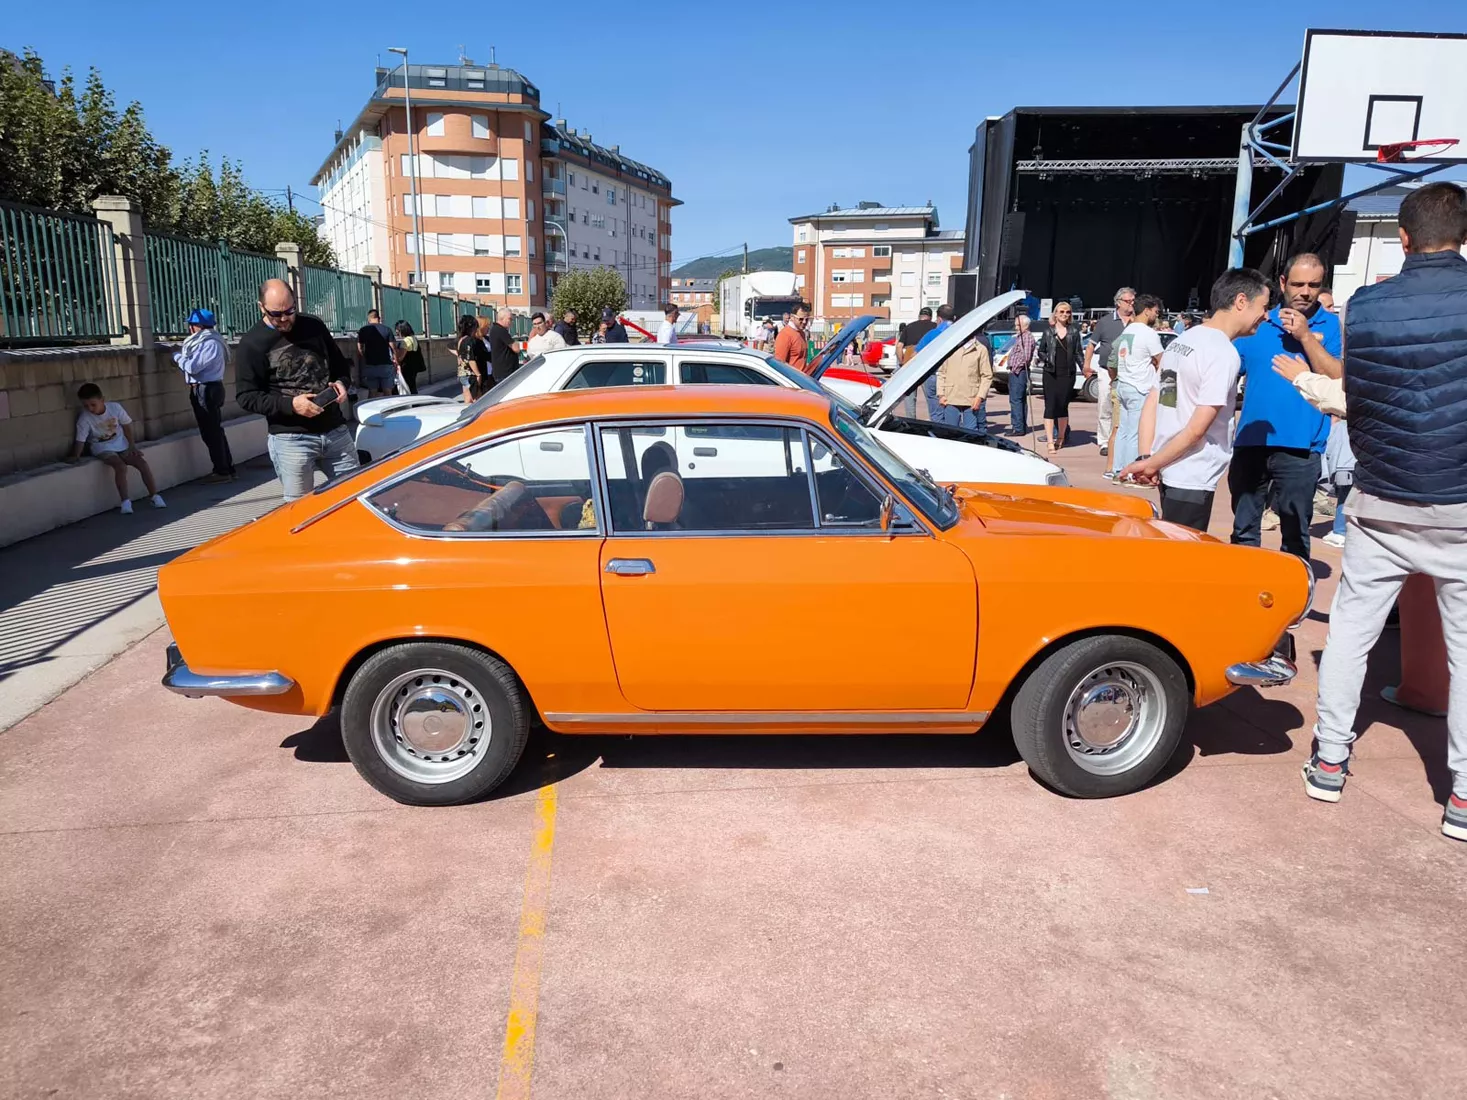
<point>551,445</point>
<point>630,567</point>
<point>705,452</point>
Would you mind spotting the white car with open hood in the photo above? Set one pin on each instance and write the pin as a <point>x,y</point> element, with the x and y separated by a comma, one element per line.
<point>947,453</point>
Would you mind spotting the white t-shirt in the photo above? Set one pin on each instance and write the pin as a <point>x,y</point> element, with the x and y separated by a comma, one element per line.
<point>1199,368</point>
<point>104,432</point>
<point>546,341</point>
<point>666,333</point>
<point>1134,349</point>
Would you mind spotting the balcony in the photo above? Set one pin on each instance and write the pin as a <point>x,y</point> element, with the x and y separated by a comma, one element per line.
<point>552,188</point>
<point>555,260</point>
<point>555,223</point>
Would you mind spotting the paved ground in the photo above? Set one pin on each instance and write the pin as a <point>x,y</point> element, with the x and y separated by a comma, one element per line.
<point>197,901</point>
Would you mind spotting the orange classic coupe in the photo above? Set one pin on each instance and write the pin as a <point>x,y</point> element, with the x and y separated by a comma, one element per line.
<point>657,560</point>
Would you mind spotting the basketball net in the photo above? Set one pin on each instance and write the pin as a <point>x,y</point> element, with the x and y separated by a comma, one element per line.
<point>1411,150</point>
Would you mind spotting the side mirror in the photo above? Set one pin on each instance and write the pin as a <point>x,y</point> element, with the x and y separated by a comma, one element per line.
<point>888,511</point>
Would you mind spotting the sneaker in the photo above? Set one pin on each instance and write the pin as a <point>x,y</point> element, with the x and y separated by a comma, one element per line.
<point>1109,475</point>
<point>157,501</point>
<point>1104,450</point>
<point>1270,521</point>
<point>1333,539</point>
<point>1322,781</point>
<point>126,508</point>
<point>216,479</point>
<point>1454,820</point>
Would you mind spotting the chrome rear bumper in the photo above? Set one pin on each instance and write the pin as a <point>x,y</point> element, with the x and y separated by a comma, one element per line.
<point>183,680</point>
<point>1277,669</point>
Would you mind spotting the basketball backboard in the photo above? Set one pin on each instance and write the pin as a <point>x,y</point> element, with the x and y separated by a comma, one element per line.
<point>1360,90</point>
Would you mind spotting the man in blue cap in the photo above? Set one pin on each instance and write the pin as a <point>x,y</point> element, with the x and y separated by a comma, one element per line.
<point>202,359</point>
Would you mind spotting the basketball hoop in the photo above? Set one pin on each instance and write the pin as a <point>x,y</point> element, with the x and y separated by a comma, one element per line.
<point>1397,151</point>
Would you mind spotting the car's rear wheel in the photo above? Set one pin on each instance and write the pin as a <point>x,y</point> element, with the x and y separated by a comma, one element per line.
<point>1101,716</point>
<point>433,724</point>
<point>1091,392</point>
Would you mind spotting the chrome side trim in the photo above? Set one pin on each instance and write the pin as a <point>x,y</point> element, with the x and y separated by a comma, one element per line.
<point>1273,672</point>
<point>837,719</point>
<point>182,680</point>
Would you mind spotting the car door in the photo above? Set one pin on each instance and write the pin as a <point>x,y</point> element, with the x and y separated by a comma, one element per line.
<point>772,590</point>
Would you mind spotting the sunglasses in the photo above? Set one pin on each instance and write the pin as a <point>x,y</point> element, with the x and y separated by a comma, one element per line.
<point>279,314</point>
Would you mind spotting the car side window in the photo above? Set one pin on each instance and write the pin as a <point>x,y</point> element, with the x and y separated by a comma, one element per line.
<point>707,478</point>
<point>846,500</point>
<point>691,372</point>
<point>538,483</point>
<point>597,373</point>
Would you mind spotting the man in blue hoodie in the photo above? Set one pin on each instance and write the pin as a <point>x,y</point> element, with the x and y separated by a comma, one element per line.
<point>1281,438</point>
<point>202,359</point>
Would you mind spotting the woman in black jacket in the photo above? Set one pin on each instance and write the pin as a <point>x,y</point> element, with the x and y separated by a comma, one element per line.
<point>1061,350</point>
<point>473,358</point>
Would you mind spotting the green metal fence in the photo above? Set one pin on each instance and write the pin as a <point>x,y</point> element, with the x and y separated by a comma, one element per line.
<point>519,328</point>
<point>339,298</point>
<point>184,275</point>
<point>441,315</point>
<point>58,277</point>
<point>402,305</point>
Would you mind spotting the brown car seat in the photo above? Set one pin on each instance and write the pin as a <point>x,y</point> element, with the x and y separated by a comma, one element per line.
<point>664,502</point>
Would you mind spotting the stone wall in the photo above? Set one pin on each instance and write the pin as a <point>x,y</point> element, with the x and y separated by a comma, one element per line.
<point>38,404</point>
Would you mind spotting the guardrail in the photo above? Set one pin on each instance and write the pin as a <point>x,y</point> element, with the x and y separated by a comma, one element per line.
<point>58,277</point>
<point>339,298</point>
<point>399,304</point>
<point>184,274</point>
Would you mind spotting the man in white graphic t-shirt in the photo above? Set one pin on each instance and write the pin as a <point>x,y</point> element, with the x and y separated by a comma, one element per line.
<point>1199,391</point>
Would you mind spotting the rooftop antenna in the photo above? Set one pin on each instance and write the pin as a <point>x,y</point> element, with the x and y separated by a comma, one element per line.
<point>463,58</point>
<point>492,60</point>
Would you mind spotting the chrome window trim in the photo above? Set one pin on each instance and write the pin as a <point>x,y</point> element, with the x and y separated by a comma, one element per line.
<point>599,531</point>
<point>858,468</point>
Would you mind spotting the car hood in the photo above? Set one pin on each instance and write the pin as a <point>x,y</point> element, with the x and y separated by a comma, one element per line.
<point>907,378</point>
<point>1068,511</point>
<point>840,341</point>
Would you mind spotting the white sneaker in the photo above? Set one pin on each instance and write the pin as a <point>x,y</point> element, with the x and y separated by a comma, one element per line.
<point>1334,539</point>
<point>126,508</point>
<point>157,501</point>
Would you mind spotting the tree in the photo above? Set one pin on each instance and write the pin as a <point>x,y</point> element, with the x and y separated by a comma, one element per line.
<point>61,149</point>
<point>588,292</point>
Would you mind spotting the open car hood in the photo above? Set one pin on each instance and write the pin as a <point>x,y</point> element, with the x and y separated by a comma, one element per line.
<point>907,378</point>
<point>832,351</point>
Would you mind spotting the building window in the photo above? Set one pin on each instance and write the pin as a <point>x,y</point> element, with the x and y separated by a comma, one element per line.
<point>485,206</point>
<point>435,124</point>
<point>934,278</point>
<point>611,196</point>
<point>483,284</point>
<point>881,251</point>
<point>437,78</point>
<point>532,245</point>
<point>933,303</point>
<point>801,236</point>
<point>800,256</point>
<point>530,206</point>
<point>511,246</point>
<point>529,133</point>
<point>481,245</point>
<point>909,278</point>
<point>512,209</point>
<point>512,285</point>
<point>881,227</point>
<point>509,169</point>
<point>595,188</point>
<point>480,124</point>
<point>858,276</point>
<point>800,282</point>
<point>529,171</point>
<point>533,290</point>
<point>445,280</point>
<point>908,305</point>
<point>909,257</point>
<point>597,257</point>
<point>838,277</point>
<point>570,179</point>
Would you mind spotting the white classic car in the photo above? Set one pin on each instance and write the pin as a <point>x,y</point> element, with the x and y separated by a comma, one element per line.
<point>947,453</point>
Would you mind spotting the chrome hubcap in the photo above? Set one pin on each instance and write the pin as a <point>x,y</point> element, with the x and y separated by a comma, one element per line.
<point>430,726</point>
<point>1115,716</point>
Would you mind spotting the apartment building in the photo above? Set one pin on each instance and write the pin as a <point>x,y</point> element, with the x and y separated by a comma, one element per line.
<point>603,209</point>
<point>689,293</point>
<point>493,180</point>
<point>886,260</point>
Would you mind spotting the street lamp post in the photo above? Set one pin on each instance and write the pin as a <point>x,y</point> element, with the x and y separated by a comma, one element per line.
<point>412,167</point>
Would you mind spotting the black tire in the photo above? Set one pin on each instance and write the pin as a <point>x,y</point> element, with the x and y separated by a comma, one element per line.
<point>1091,390</point>
<point>1039,719</point>
<point>484,680</point>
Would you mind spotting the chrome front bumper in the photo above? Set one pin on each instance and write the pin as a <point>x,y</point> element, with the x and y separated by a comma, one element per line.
<point>1277,669</point>
<point>183,680</point>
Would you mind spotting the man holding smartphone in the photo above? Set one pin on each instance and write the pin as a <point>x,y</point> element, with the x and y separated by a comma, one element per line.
<point>290,370</point>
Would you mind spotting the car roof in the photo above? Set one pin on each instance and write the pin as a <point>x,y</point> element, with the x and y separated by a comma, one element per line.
<point>635,350</point>
<point>658,401</point>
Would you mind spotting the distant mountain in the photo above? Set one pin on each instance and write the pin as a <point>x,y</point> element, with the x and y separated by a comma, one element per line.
<point>761,259</point>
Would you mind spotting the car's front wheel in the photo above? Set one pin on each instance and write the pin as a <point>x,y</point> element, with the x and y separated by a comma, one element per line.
<point>433,724</point>
<point>1091,392</point>
<point>1101,716</point>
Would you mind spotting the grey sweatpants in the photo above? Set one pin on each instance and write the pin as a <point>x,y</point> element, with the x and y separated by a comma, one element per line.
<point>1378,558</point>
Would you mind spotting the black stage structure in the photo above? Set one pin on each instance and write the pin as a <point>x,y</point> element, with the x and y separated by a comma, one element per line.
<point>1073,202</point>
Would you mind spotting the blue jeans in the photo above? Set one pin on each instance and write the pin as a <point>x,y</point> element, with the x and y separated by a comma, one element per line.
<point>1341,492</point>
<point>1019,401</point>
<point>1128,437</point>
<point>934,410</point>
<point>961,416</point>
<point>297,456</point>
<point>1286,475</point>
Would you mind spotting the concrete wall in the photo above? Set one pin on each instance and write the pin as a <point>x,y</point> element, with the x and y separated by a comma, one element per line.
<point>38,410</point>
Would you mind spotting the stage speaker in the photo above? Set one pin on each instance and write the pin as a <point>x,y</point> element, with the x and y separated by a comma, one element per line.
<point>1012,242</point>
<point>962,291</point>
<point>1344,237</point>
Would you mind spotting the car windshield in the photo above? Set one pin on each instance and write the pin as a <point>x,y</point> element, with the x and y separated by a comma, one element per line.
<point>918,488</point>
<point>805,382</point>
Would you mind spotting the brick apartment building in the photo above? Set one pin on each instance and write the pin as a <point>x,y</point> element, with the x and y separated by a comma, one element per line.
<point>688,293</point>
<point>507,201</point>
<point>886,260</point>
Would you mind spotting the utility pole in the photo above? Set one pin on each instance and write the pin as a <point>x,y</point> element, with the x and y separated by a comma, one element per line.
<point>746,257</point>
<point>413,165</point>
<point>289,199</point>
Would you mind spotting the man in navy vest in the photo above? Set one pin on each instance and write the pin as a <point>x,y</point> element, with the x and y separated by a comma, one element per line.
<point>1281,437</point>
<point>1405,365</point>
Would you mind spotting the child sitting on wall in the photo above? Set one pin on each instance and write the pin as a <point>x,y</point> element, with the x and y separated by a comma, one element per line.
<point>106,427</point>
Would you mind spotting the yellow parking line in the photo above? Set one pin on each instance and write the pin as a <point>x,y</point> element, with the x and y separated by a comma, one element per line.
<point>517,1059</point>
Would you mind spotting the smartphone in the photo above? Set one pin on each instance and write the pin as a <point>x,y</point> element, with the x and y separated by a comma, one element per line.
<point>326,397</point>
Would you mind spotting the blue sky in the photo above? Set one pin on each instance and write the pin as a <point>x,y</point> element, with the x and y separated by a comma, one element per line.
<point>756,111</point>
